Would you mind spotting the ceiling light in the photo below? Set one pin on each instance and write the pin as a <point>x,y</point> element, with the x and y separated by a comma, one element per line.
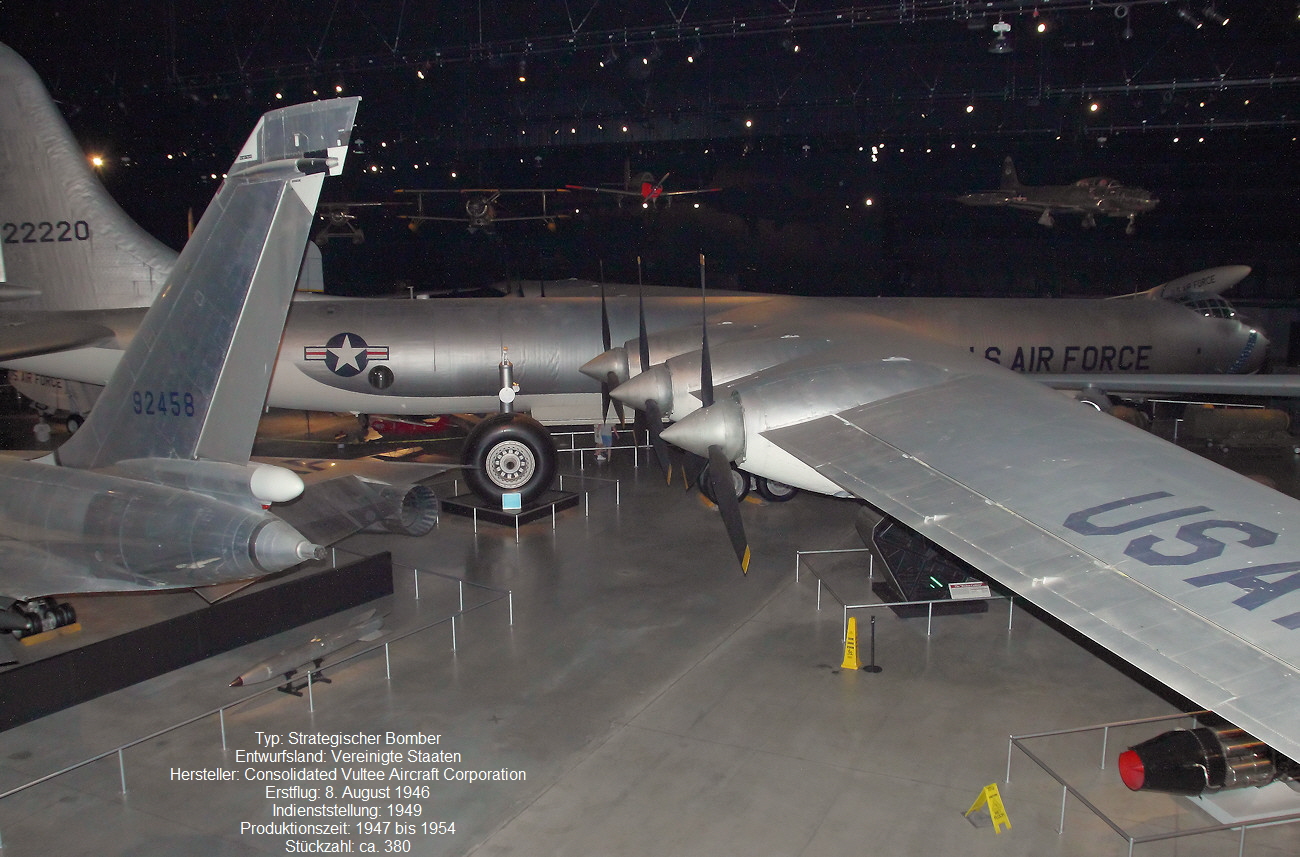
<point>1212,14</point>
<point>1187,16</point>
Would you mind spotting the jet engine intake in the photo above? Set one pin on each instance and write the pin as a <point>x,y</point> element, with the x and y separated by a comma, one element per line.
<point>408,510</point>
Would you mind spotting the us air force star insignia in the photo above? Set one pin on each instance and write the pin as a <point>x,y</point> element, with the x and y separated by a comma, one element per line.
<point>346,354</point>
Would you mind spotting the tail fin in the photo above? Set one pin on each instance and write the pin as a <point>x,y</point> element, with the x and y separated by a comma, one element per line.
<point>1010,181</point>
<point>61,231</point>
<point>192,383</point>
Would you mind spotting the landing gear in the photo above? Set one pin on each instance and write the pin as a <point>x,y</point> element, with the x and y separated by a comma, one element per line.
<point>507,453</point>
<point>739,483</point>
<point>773,491</point>
<point>35,616</point>
<point>73,422</point>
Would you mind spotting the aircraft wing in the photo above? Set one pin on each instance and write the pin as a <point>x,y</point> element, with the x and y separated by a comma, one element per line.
<point>1280,386</point>
<point>614,190</point>
<point>48,335</point>
<point>346,497</point>
<point>1184,569</point>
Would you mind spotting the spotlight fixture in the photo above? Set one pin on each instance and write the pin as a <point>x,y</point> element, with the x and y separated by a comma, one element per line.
<point>1210,13</point>
<point>1186,15</point>
<point>611,57</point>
<point>523,69</point>
<point>1001,44</point>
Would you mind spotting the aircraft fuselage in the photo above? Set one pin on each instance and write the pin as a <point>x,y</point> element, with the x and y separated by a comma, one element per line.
<point>442,356</point>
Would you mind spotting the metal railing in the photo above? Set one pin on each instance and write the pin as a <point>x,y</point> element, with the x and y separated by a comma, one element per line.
<point>1015,742</point>
<point>220,712</point>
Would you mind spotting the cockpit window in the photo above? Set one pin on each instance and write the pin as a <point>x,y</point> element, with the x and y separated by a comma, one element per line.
<point>1210,306</point>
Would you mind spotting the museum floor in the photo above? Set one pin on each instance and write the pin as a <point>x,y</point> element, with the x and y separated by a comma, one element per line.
<point>646,700</point>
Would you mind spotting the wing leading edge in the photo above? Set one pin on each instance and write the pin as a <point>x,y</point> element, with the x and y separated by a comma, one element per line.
<point>1184,569</point>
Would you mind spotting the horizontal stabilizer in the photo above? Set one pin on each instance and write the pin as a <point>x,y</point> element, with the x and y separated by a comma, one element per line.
<point>1212,281</point>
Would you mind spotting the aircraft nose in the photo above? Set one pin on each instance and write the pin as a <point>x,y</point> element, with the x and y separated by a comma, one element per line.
<point>1253,353</point>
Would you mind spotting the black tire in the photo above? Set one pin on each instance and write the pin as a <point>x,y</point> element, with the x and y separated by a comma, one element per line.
<point>509,452</point>
<point>73,422</point>
<point>739,481</point>
<point>773,491</point>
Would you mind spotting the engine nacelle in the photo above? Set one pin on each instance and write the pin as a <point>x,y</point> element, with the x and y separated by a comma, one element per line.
<point>262,484</point>
<point>675,383</point>
<point>408,510</point>
<point>1204,759</point>
<point>142,532</point>
<point>788,396</point>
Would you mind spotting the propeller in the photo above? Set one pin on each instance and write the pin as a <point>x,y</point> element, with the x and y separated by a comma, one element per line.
<point>719,469</point>
<point>611,378</point>
<point>654,415</point>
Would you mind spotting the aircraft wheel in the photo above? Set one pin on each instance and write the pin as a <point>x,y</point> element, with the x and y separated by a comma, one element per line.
<point>773,491</point>
<point>739,483</point>
<point>73,422</point>
<point>509,452</point>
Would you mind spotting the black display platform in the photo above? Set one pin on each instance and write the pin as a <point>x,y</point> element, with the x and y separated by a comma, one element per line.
<point>60,681</point>
<point>472,505</point>
<point>942,606</point>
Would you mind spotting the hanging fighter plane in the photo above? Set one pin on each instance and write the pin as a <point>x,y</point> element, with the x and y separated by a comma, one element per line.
<point>482,209</point>
<point>1087,197</point>
<point>383,356</point>
<point>644,187</point>
<point>157,491</point>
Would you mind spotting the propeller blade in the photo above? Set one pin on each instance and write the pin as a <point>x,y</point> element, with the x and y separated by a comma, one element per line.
<point>611,381</point>
<point>724,492</point>
<point>692,468</point>
<point>604,321</point>
<point>643,339</point>
<point>654,418</point>
<point>706,365</point>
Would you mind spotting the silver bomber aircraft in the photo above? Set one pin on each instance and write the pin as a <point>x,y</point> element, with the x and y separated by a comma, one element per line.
<point>1087,197</point>
<point>1179,566</point>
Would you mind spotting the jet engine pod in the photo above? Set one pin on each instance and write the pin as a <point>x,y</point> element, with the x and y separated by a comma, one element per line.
<point>509,452</point>
<point>1204,759</point>
<point>408,510</point>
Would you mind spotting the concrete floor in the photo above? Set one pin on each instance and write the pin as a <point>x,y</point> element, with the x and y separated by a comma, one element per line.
<point>658,702</point>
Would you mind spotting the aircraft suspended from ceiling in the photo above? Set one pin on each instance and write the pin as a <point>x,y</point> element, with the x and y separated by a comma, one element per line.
<point>645,187</point>
<point>1086,197</point>
<point>482,207</point>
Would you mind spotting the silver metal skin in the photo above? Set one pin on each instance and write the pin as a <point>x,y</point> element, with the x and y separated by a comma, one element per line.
<point>1173,563</point>
<point>428,357</point>
<point>156,490</point>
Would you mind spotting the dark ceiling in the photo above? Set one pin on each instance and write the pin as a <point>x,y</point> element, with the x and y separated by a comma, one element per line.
<point>798,109</point>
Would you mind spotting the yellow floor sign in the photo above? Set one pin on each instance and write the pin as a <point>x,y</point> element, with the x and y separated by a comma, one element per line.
<point>851,661</point>
<point>989,795</point>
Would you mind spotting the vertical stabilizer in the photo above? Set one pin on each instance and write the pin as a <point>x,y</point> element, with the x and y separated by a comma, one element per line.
<point>62,232</point>
<point>194,379</point>
<point>1010,181</point>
